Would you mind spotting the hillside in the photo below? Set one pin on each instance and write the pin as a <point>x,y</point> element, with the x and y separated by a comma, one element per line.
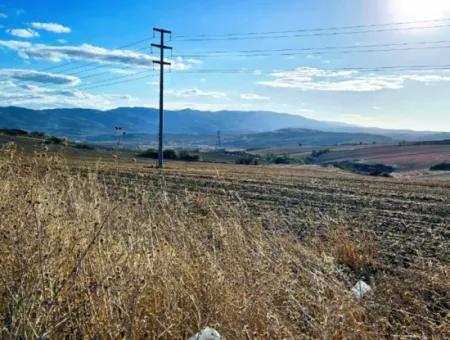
<point>87,123</point>
<point>292,137</point>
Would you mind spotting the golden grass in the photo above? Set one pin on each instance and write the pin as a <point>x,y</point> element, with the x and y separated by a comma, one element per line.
<point>79,259</point>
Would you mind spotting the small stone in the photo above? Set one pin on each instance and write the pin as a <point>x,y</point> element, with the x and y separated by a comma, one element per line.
<point>206,334</point>
<point>360,289</point>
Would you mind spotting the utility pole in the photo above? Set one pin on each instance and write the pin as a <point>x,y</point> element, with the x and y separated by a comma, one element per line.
<point>219,140</point>
<point>161,63</point>
<point>119,133</point>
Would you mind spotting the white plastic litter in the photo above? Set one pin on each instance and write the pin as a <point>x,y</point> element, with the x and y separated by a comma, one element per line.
<point>206,334</point>
<point>360,289</point>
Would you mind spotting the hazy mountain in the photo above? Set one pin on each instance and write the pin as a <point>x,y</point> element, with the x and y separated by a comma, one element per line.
<point>294,137</point>
<point>86,123</point>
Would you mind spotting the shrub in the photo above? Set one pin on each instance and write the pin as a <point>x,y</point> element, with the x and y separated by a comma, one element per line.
<point>185,155</point>
<point>283,159</point>
<point>170,154</point>
<point>83,146</point>
<point>54,140</point>
<point>441,167</point>
<point>318,153</point>
<point>247,160</point>
<point>149,153</point>
<point>14,132</point>
<point>38,134</point>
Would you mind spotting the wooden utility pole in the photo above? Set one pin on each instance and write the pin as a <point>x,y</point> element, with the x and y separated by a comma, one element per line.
<point>161,63</point>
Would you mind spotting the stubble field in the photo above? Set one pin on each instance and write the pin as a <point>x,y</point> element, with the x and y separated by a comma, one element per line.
<point>118,249</point>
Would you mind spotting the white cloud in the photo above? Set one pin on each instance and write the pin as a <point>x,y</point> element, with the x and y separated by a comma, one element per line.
<point>39,77</point>
<point>121,71</point>
<point>89,53</point>
<point>62,41</point>
<point>197,93</point>
<point>3,16</point>
<point>315,79</point>
<point>23,33</point>
<point>194,61</point>
<point>14,45</point>
<point>41,97</point>
<point>357,119</point>
<point>51,27</point>
<point>253,96</point>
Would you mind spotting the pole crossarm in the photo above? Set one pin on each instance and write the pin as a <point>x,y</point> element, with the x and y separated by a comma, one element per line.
<point>164,62</point>
<point>162,30</point>
<point>162,46</point>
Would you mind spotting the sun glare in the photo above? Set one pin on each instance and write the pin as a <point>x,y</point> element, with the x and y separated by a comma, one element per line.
<point>409,10</point>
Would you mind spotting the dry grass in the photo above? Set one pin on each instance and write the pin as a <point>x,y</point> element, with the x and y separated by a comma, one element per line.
<point>81,260</point>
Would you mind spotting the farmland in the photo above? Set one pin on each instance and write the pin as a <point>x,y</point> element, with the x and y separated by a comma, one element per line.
<point>103,244</point>
<point>408,157</point>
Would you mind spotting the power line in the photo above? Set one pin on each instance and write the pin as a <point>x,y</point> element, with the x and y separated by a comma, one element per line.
<point>281,36</point>
<point>115,78</point>
<point>326,52</point>
<point>314,29</point>
<point>94,75</point>
<point>270,54</point>
<point>138,42</point>
<point>111,83</point>
<point>214,52</point>
<point>138,76</point>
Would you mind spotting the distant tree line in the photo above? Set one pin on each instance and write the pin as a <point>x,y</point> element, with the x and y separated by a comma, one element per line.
<point>172,154</point>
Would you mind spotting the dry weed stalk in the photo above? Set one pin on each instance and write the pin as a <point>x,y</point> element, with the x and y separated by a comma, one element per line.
<point>80,259</point>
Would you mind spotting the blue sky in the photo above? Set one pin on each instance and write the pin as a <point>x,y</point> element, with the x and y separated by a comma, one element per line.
<point>66,54</point>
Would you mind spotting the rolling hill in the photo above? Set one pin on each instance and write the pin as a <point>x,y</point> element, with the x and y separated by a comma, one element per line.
<point>200,126</point>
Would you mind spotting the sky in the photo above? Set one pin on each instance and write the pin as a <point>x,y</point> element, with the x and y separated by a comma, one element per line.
<point>377,63</point>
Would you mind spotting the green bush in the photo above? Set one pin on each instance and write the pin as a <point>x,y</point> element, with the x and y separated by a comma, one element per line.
<point>182,155</point>
<point>185,155</point>
<point>247,161</point>
<point>170,154</point>
<point>14,132</point>
<point>318,153</point>
<point>441,167</point>
<point>54,140</point>
<point>149,153</point>
<point>83,146</point>
<point>282,159</point>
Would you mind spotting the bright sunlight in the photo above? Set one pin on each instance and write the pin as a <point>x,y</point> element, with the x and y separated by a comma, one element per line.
<point>420,9</point>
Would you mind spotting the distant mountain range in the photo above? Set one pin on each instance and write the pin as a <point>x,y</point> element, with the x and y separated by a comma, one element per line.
<point>87,124</point>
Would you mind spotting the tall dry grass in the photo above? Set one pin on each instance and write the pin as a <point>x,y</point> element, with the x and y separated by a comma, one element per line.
<point>81,258</point>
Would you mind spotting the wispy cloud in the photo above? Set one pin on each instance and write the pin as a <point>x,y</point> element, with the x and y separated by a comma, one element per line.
<point>14,45</point>
<point>315,79</point>
<point>39,77</point>
<point>121,71</point>
<point>3,16</point>
<point>42,97</point>
<point>23,33</point>
<point>253,96</point>
<point>89,53</point>
<point>358,119</point>
<point>20,11</point>
<point>51,27</point>
<point>197,93</point>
